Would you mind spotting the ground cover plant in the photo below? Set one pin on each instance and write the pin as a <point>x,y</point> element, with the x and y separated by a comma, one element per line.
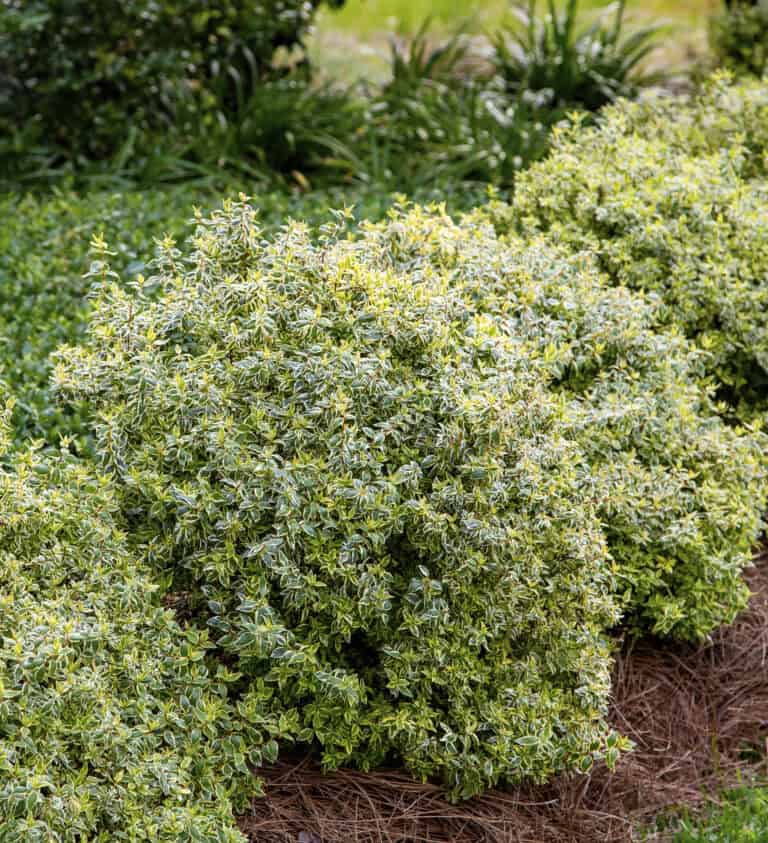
<point>670,197</point>
<point>409,474</point>
<point>743,818</point>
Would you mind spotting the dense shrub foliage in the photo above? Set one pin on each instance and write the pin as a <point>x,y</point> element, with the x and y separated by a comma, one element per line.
<point>112,724</point>
<point>80,73</point>
<point>670,196</point>
<point>372,491</point>
<point>405,469</point>
<point>739,37</point>
<point>679,494</point>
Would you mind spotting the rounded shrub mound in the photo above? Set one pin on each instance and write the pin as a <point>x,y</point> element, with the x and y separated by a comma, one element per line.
<point>408,472</point>
<point>371,490</point>
<point>670,195</point>
<point>112,725</point>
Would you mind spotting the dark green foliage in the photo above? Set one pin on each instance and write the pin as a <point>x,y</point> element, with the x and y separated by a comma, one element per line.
<point>113,725</point>
<point>289,126</point>
<point>372,490</point>
<point>43,295</point>
<point>78,73</point>
<point>569,65</point>
<point>670,195</point>
<point>739,37</point>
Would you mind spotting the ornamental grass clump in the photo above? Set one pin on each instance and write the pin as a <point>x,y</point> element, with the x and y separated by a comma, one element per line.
<point>370,493</point>
<point>670,195</point>
<point>410,474</point>
<point>114,725</point>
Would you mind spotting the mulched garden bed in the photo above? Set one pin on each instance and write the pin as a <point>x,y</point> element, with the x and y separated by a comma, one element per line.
<point>698,717</point>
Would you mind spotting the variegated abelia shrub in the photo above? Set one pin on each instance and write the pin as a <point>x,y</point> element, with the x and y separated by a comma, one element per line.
<point>371,489</point>
<point>671,197</point>
<point>409,473</point>
<point>114,726</point>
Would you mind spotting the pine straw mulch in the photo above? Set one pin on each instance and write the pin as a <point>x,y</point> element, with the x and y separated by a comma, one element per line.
<point>691,712</point>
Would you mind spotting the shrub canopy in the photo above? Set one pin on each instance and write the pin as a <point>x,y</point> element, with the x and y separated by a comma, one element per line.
<point>670,196</point>
<point>406,471</point>
<point>661,462</point>
<point>112,724</point>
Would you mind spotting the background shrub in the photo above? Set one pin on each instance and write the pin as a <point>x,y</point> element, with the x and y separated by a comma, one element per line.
<point>113,725</point>
<point>82,73</point>
<point>679,493</point>
<point>371,491</point>
<point>738,37</point>
<point>670,196</point>
<point>442,120</point>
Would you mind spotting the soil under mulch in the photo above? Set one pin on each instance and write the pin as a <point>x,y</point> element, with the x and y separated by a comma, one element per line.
<point>696,715</point>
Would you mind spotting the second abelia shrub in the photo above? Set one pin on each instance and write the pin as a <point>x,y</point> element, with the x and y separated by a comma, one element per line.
<point>670,197</point>
<point>115,723</point>
<point>679,493</point>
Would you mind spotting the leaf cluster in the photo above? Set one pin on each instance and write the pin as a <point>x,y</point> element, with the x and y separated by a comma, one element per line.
<point>573,66</point>
<point>115,723</point>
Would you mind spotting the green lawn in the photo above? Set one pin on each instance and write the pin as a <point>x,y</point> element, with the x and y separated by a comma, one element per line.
<point>743,818</point>
<point>367,17</point>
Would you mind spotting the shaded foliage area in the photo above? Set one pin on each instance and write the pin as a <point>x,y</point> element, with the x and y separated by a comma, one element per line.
<point>697,716</point>
<point>85,75</point>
